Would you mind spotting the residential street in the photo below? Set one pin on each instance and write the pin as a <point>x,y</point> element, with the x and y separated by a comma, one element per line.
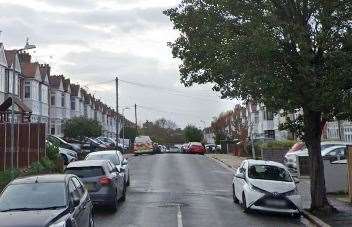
<point>175,190</point>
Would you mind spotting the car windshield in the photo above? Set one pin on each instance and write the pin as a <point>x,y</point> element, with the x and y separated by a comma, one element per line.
<point>33,196</point>
<point>84,172</point>
<point>114,158</point>
<point>268,172</point>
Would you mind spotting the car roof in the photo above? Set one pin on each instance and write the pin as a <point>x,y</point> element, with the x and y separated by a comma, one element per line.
<point>47,178</point>
<point>327,150</point>
<point>103,152</point>
<point>263,162</point>
<point>87,163</point>
<point>335,142</point>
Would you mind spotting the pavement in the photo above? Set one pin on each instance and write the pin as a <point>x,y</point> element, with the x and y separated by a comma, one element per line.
<point>176,190</point>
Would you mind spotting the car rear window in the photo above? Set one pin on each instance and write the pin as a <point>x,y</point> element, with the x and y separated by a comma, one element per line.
<point>84,172</point>
<point>114,158</point>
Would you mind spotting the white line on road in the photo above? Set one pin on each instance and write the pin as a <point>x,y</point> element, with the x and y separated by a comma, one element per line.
<point>179,216</point>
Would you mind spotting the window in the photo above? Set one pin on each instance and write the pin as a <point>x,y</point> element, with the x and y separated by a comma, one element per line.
<point>267,172</point>
<point>256,117</point>
<point>62,100</point>
<point>112,157</point>
<point>73,103</point>
<point>52,131</point>
<point>27,91</point>
<point>52,100</point>
<point>72,190</point>
<point>270,134</point>
<point>268,115</point>
<point>84,172</point>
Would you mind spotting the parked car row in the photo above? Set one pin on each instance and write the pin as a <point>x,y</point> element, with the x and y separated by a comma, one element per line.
<point>332,150</point>
<point>58,200</point>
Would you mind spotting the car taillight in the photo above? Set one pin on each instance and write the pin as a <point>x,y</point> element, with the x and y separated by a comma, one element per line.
<point>104,180</point>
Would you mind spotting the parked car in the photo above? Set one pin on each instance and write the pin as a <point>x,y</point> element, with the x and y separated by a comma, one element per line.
<point>46,201</point>
<point>174,149</point>
<point>107,145</point>
<point>104,183</point>
<point>66,155</point>
<point>184,147</point>
<point>266,186</point>
<point>109,141</point>
<point>290,159</point>
<point>334,153</point>
<point>143,145</point>
<point>91,145</point>
<point>116,158</point>
<point>196,148</point>
<point>63,144</point>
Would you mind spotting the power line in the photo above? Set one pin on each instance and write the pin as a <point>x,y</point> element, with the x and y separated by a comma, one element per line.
<point>169,112</point>
<point>167,90</point>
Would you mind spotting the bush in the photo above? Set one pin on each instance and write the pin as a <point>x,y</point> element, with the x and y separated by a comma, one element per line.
<point>36,168</point>
<point>277,144</point>
<point>5,176</point>
<point>52,152</point>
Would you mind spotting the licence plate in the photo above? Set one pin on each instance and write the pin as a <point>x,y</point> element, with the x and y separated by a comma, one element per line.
<point>277,203</point>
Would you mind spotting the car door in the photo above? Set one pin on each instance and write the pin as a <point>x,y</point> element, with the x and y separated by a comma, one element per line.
<point>123,165</point>
<point>86,204</point>
<point>239,183</point>
<point>77,212</point>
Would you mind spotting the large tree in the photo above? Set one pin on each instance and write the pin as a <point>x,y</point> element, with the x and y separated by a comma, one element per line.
<point>80,127</point>
<point>288,54</point>
<point>193,134</point>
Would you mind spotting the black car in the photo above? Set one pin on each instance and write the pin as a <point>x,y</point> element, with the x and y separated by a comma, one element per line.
<point>55,200</point>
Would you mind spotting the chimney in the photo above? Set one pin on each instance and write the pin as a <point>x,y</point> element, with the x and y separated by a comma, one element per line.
<point>25,57</point>
<point>46,68</point>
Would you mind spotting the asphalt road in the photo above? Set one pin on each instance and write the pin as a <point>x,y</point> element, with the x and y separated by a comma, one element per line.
<point>176,190</point>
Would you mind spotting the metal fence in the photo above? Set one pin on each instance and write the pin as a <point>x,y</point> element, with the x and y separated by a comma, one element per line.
<point>29,144</point>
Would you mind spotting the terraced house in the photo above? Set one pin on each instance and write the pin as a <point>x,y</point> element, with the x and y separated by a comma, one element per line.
<point>51,98</point>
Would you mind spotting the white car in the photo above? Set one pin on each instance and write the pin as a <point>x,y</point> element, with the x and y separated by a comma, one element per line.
<point>68,155</point>
<point>290,159</point>
<point>116,158</point>
<point>334,153</point>
<point>266,186</point>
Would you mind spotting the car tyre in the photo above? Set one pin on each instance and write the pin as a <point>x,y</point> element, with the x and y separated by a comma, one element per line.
<point>235,200</point>
<point>123,198</point>
<point>65,159</point>
<point>128,180</point>
<point>244,204</point>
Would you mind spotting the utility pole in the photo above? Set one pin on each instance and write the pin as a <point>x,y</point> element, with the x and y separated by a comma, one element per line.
<point>117,112</point>
<point>135,118</point>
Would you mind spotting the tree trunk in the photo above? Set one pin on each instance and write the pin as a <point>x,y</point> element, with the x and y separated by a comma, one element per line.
<point>312,137</point>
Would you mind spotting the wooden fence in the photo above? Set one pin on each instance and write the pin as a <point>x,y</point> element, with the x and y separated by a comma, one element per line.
<point>29,144</point>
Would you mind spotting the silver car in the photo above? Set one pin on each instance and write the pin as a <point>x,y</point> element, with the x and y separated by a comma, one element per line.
<point>103,181</point>
<point>116,158</point>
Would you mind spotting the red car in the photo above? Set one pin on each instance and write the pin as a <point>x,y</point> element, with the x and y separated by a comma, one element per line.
<point>196,148</point>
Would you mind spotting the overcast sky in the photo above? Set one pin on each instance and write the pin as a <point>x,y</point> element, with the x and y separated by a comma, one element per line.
<point>92,41</point>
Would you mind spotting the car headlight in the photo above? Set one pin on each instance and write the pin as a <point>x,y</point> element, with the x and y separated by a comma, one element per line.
<point>59,224</point>
<point>254,188</point>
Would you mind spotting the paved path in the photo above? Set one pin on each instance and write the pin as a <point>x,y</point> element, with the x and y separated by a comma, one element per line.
<point>175,190</point>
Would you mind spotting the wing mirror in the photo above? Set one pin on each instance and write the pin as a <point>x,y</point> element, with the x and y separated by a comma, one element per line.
<point>124,162</point>
<point>240,175</point>
<point>117,169</point>
<point>296,180</point>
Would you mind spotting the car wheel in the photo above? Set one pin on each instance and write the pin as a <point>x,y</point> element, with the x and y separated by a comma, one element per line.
<point>128,180</point>
<point>123,198</point>
<point>235,200</point>
<point>91,221</point>
<point>244,204</point>
<point>64,157</point>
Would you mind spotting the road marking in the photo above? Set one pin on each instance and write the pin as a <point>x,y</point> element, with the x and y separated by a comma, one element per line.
<point>179,216</point>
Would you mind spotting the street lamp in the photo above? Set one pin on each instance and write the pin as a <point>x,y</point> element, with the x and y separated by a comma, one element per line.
<point>123,127</point>
<point>12,94</point>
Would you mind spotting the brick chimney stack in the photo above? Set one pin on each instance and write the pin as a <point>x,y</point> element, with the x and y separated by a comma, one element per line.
<point>25,57</point>
<point>46,68</point>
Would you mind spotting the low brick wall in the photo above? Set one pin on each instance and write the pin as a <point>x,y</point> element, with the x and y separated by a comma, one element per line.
<point>276,155</point>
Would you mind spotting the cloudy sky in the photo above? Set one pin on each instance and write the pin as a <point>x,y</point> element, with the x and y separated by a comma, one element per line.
<point>92,41</point>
